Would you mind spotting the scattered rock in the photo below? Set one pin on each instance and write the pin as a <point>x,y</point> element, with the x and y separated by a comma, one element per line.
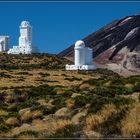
<point>77,118</point>
<point>62,112</point>
<point>85,86</point>
<point>75,95</point>
<point>93,134</point>
<point>42,102</point>
<point>26,116</point>
<point>50,118</point>
<point>129,85</point>
<point>22,111</point>
<point>58,90</point>
<point>9,99</point>
<point>36,114</point>
<point>70,103</point>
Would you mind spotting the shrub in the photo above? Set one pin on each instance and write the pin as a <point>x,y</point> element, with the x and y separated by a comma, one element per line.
<point>120,90</point>
<point>136,87</point>
<point>99,102</point>
<point>59,102</point>
<point>120,101</point>
<point>4,128</point>
<point>81,101</point>
<point>3,75</point>
<point>111,126</point>
<point>103,91</point>
<point>91,82</point>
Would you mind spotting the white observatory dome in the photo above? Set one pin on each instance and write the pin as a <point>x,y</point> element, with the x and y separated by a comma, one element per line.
<point>79,44</point>
<point>25,23</point>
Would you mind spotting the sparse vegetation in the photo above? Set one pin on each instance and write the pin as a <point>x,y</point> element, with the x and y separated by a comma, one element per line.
<point>38,99</point>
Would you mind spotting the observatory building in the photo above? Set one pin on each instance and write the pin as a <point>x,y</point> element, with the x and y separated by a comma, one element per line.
<point>25,40</point>
<point>82,58</point>
<point>4,43</point>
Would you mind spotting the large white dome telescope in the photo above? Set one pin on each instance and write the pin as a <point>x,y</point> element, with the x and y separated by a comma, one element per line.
<point>79,53</point>
<point>82,57</point>
<point>79,44</point>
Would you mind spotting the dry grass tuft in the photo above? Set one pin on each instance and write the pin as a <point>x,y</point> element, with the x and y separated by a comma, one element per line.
<point>70,103</point>
<point>9,99</point>
<point>59,91</point>
<point>26,116</point>
<point>93,121</point>
<point>13,121</point>
<point>29,115</point>
<point>58,124</point>
<point>42,126</point>
<point>36,114</point>
<point>130,126</point>
<point>3,113</point>
<point>85,86</point>
<point>129,85</point>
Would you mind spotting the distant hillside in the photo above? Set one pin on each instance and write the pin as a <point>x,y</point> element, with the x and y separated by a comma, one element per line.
<point>115,46</point>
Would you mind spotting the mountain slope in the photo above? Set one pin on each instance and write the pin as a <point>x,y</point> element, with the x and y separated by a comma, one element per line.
<point>117,43</point>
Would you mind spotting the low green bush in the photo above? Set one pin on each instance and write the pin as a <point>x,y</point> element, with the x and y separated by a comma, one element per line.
<point>59,101</point>
<point>120,90</point>
<point>103,91</point>
<point>4,128</point>
<point>136,87</point>
<point>81,101</point>
<point>4,75</point>
<point>99,102</point>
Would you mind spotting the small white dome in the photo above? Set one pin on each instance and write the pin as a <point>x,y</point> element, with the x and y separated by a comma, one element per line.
<point>79,44</point>
<point>25,23</point>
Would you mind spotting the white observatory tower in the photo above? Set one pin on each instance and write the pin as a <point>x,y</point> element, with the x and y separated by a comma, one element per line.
<point>4,43</point>
<point>82,57</point>
<point>79,53</point>
<point>25,39</point>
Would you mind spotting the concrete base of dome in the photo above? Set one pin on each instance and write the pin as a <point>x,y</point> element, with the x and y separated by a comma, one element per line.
<point>80,67</point>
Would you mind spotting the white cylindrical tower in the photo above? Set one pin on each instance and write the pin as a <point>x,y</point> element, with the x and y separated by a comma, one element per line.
<point>79,53</point>
<point>88,58</point>
<point>4,43</point>
<point>25,39</point>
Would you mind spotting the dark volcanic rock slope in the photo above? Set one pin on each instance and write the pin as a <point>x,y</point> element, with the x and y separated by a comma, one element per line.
<point>116,43</point>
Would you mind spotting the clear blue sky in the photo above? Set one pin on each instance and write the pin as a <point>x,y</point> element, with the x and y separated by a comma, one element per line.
<point>56,26</point>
